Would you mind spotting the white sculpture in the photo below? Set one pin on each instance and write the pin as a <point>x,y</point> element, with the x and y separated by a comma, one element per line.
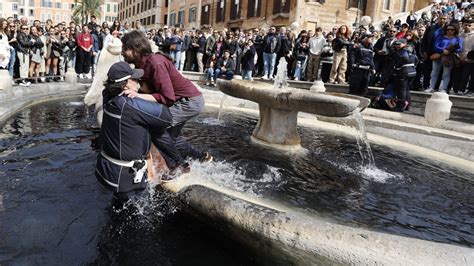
<point>107,58</point>
<point>438,108</point>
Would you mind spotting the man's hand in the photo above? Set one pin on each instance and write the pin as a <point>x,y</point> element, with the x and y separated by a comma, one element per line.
<point>130,93</point>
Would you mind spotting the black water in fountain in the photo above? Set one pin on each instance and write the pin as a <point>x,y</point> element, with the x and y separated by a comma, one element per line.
<point>53,210</point>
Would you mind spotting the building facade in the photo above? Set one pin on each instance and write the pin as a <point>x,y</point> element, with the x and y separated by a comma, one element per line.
<point>308,14</point>
<point>148,12</point>
<point>57,11</point>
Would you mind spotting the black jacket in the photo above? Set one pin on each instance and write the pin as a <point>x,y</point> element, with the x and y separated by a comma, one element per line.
<point>248,58</point>
<point>229,65</point>
<point>363,56</point>
<point>24,43</point>
<point>271,44</point>
<point>126,135</point>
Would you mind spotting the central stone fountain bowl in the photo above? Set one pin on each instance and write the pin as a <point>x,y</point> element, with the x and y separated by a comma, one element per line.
<point>279,109</point>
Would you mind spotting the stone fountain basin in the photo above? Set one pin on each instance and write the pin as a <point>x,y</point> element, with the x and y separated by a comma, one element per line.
<point>292,99</point>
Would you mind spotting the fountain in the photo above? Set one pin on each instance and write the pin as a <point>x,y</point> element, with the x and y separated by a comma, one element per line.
<point>279,109</point>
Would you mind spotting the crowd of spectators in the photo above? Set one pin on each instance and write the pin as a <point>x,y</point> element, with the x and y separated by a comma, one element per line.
<point>441,41</point>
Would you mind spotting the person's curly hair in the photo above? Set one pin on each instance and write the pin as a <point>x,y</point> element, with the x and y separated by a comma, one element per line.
<point>113,88</point>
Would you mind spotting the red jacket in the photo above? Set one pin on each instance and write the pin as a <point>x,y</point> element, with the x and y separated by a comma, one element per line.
<point>163,78</point>
<point>85,40</point>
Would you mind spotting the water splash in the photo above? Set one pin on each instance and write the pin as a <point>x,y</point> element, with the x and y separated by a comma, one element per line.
<point>363,144</point>
<point>281,76</point>
<point>220,107</point>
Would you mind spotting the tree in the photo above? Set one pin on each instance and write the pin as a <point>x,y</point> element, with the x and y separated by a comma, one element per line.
<point>83,9</point>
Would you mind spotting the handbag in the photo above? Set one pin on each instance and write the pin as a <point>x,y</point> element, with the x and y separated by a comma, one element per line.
<point>435,57</point>
<point>451,60</point>
<point>36,57</point>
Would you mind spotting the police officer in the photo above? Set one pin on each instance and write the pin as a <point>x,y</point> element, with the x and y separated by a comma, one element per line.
<point>125,135</point>
<point>362,56</point>
<point>404,68</point>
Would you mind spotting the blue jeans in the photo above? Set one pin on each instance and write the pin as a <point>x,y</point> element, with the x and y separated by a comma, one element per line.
<point>437,65</point>
<point>210,73</point>
<point>247,74</point>
<point>269,63</point>
<point>176,55</point>
<point>300,68</point>
<point>228,74</point>
<point>11,64</point>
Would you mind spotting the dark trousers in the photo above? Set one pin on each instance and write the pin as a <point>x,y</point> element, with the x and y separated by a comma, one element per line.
<point>83,61</point>
<point>259,67</point>
<point>325,71</point>
<point>174,148</point>
<point>400,84</point>
<point>461,76</point>
<point>359,82</point>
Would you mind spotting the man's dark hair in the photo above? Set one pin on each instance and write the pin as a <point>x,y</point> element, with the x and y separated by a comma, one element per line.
<point>136,41</point>
<point>113,88</point>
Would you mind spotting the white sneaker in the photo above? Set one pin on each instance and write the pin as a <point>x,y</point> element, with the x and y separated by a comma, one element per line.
<point>81,76</point>
<point>429,90</point>
<point>443,91</point>
<point>25,83</point>
<point>207,83</point>
<point>296,79</point>
<point>265,77</point>
<point>88,76</point>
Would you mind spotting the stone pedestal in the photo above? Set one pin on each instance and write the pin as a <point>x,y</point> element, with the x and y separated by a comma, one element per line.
<point>6,83</point>
<point>71,76</point>
<point>438,108</point>
<point>277,126</point>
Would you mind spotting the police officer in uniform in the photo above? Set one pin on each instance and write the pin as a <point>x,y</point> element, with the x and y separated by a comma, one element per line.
<point>404,69</point>
<point>125,136</point>
<point>362,56</point>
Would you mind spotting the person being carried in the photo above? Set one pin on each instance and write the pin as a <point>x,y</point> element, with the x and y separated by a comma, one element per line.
<point>162,83</point>
<point>125,135</point>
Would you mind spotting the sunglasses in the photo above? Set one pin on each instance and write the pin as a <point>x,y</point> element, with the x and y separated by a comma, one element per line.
<point>24,28</point>
<point>450,29</point>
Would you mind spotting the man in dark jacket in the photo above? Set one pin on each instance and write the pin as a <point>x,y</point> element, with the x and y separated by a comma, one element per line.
<point>23,52</point>
<point>125,135</point>
<point>225,66</point>
<point>362,58</point>
<point>271,46</point>
<point>248,60</point>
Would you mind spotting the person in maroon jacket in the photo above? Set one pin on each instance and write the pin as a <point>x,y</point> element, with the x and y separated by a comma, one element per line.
<point>84,53</point>
<point>162,83</point>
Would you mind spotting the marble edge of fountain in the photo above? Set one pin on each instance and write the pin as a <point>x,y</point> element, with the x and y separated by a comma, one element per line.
<point>305,236</point>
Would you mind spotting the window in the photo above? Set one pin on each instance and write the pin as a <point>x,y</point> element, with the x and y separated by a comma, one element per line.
<point>253,8</point>
<point>205,12</point>
<point>192,14</point>
<point>32,13</point>
<point>32,3</point>
<point>386,4</point>
<point>281,6</point>
<point>166,3</point>
<point>235,9</point>
<point>0,6</point>
<point>220,11</point>
<point>359,4</point>
<point>165,19</point>
<point>59,5</point>
<point>115,8</point>
<point>181,17</point>
<point>22,2</point>
<point>172,19</point>
<point>15,7</point>
<point>108,7</point>
<point>65,6</point>
<point>22,12</point>
<point>58,17</point>
<point>148,20</point>
<point>153,19</point>
<point>403,7</point>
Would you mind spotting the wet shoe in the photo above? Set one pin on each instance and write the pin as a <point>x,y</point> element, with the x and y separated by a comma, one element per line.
<point>206,158</point>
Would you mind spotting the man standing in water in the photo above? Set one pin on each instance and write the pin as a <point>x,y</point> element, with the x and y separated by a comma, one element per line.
<point>165,85</point>
<point>125,135</point>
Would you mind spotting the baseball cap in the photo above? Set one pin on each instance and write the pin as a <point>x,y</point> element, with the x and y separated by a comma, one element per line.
<point>122,71</point>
